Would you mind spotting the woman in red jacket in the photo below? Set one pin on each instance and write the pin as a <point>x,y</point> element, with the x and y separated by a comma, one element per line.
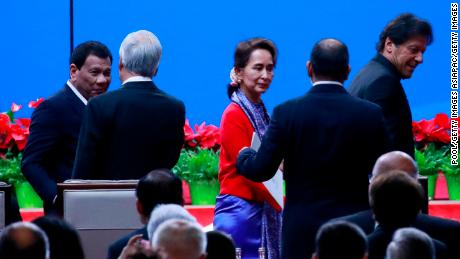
<point>245,209</point>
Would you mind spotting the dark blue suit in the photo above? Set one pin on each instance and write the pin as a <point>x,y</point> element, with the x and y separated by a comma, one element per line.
<point>329,141</point>
<point>50,151</point>
<point>129,132</point>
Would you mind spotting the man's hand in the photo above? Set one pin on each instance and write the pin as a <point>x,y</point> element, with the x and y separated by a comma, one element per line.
<point>136,246</point>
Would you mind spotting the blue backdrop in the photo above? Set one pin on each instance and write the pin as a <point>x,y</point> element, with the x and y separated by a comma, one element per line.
<point>199,37</point>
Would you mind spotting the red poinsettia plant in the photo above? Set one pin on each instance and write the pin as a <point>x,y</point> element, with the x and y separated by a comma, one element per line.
<point>432,142</point>
<point>199,158</point>
<point>13,138</point>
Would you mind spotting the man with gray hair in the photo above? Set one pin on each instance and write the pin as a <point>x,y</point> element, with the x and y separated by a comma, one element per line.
<point>24,240</point>
<point>410,243</point>
<point>133,130</point>
<point>179,239</point>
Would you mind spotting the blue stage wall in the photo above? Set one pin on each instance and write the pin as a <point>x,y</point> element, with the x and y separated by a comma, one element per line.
<point>199,37</point>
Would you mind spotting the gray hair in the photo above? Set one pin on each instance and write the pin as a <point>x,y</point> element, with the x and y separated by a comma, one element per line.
<point>140,52</point>
<point>180,238</point>
<point>164,212</point>
<point>7,234</point>
<point>410,243</point>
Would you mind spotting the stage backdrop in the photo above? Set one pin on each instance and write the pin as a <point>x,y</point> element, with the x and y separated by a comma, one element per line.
<point>199,37</point>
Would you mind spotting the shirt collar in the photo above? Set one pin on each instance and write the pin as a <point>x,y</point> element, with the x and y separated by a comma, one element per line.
<point>327,83</point>
<point>137,79</point>
<point>76,92</point>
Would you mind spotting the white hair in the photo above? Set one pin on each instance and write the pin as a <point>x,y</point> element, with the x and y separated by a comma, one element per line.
<point>410,243</point>
<point>164,212</point>
<point>180,239</point>
<point>140,52</point>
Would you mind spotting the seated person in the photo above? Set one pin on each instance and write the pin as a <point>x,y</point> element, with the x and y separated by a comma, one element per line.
<point>179,239</point>
<point>444,230</point>
<point>63,238</point>
<point>219,246</point>
<point>340,239</point>
<point>24,240</point>
<point>396,200</point>
<point>410,243</point>
<point>160,186</point>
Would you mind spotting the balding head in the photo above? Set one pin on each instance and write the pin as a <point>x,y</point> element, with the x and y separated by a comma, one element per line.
<point>395,160</point>
<point>23,240</point>
<point>180,239</point>
<point>329,61</point>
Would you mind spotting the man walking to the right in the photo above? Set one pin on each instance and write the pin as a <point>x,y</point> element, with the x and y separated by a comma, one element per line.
<point>400,50</point>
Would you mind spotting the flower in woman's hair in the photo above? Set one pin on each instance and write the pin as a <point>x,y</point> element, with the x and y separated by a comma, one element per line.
<point>233,78</point>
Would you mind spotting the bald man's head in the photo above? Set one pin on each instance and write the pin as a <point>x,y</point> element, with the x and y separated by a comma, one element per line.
<point>395,160</point>
<point>329,61</point>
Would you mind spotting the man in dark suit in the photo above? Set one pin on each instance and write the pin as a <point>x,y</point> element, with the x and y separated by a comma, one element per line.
<point>133,130</point>
<point>444,230</point>
<point>400,50</point>
<point>396,199</point>
<point>329,141</point>
<point>160,186</point>
<point>50,151</point>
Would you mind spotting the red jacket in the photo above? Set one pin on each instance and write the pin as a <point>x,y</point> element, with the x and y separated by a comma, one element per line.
<point>236,133</point>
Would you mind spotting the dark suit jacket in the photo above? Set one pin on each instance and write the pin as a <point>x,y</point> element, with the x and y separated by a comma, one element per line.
<point>380,83</point>
<point>116,247</point>
<point>444,230</point>
<point>50,151</point>
<point>129,132</point>
<point>329,141</point>
<point>379,240</point>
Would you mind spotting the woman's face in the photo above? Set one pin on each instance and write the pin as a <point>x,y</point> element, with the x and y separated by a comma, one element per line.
<point>256,76</point>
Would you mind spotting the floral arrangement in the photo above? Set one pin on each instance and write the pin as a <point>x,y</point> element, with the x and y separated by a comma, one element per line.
<point>199,157</point>
<point>13,138</point>
<point>432,141</point>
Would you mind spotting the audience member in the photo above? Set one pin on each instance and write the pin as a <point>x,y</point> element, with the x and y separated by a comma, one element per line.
<point>329,141</point>
<point>160,186</point>
<point>400,50</point>
<point>340,240</point>
<point>179,239</point>
<point>444,230</point>
<point>409,243</point>
<point>133,130</point>
<point>395,199</point>
<point>49,155</point>
<point>63,239</point>
<point>165,212</point>
<point>23,240</point>
<point>219,246</point>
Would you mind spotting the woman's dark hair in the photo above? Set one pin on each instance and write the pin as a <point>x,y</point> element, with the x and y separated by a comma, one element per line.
<point>243,52</point>
<point>404,27</point>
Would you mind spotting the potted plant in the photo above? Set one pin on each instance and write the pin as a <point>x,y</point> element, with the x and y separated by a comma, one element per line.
<point>198,162</point>
<point>432,153</point>
<point>13,138</point>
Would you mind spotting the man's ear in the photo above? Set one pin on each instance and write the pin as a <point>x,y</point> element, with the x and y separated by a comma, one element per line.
<point>389,45</point>
<point>73,72</point>
<point>347,73</point>
<point>139,207</point>
<point>309,69</point>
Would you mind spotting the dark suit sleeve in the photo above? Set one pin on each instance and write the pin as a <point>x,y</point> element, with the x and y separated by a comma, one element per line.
<point>381,92</point>
<point>41,145</point>
<point>262,165</point>
<point>91,132</point>
<point>176,146</point>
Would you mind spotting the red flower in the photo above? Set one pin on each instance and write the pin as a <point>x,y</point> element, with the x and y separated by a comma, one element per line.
<point>35,104</point>
<point>205,136</point>
<point>20,135</point>
<point>434,130</point>
<point>15,107</point>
